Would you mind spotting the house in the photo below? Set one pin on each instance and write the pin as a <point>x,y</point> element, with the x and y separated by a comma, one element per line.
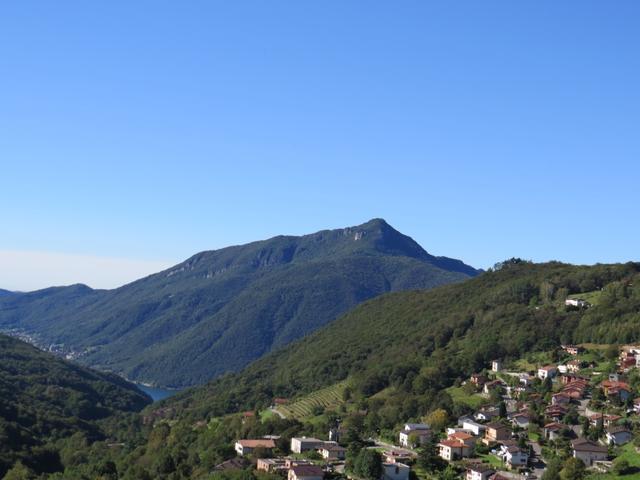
<point>574,366</point>
<point>618,435</point>
<point>421,432</point>
<point>496,432</point>
<point>464,437</point>
<point>476,428</point>
<point>499,476</point>
<point>457,445</point>
<point>561,398</point>
<point>279,402</point>
<point>478,379</point>
<point>553,430</point>
<point>394,456</point>
<point>395,471</point>
<point>604,419</point>
<point>588,451</point>
<point>520,420</point>
<point>487,414</point>
<point>526,379</point>
<point>572,349</point>
<point>245,447</point>
<point>636,405</point>
<point>232,464</point>
<point>332,451</point>
<point>304,444</point>
<point>271,465</point>
<point>305,472</point>
<point>513,455</point>
<point>452,449</point>
<point>562,368</point>
<point>492,385</point>
<point>336,433</point>
<point>294,462</point>
<point>556,412</point>
<point>478,471</point>
<point>576,302</point>
<point>548,371</point>
<point>496,365</point>
<point>613,388</point>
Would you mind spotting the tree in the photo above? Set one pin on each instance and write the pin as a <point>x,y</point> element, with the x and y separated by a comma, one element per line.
<point>428,457</point>
<point>573,469</point>
<point>621,466</point>
<point>438,419</point>
<point>552,472</point>
<point>368,464</point>
<point>502,410</point>
<point>20,472</point>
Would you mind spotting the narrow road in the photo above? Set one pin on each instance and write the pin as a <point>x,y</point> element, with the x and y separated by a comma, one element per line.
<point>536,461</point>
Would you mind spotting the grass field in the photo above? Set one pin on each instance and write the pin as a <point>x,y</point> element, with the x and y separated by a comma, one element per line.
<point>592,297</point>
<point>329,397</point>
<point>459,396</point>
<point>492,460</point>
<point>629,453</point>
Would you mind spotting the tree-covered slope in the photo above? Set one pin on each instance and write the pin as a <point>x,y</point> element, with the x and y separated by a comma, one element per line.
<point>222,309</point>
<point>45,400</point>
<point>420,342</point>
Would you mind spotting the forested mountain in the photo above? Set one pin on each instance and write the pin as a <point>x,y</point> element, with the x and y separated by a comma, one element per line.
<point>219,310</point>
<point>419,342</point>
<point>45,401</point>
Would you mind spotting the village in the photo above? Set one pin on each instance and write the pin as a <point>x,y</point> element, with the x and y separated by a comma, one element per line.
<point>578,412</point>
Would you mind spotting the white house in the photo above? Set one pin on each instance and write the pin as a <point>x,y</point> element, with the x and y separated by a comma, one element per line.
<point>520,420</point>
<point>479,471</point>
<point>395,471</point>
<point>304,444</point>
<point>496,365</point>
<point>576,302</point>
<point>476,428</point>
<point>332,451</point>
<point>487,414</point>
<point>549,371</point>
<point>589,452</point>
<point>514,456</point>
<point>420,431</point>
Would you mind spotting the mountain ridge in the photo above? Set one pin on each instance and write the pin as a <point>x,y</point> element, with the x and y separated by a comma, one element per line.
<point>221,309</point>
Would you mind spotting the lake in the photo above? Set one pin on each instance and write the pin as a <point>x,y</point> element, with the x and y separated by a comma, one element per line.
<point>156,393</point>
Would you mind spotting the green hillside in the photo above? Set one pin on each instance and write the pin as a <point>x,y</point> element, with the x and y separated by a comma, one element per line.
<point>222,309</point>
<point>46,402</point>
<point>393,359</point>
<point>421,342</point>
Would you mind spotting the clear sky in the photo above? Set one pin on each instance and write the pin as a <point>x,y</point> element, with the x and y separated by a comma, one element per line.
<point>134,134</point>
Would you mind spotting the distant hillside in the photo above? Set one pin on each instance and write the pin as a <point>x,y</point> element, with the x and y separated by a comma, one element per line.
<point>44,400</point>
<point>222,309</point>
<point>418,343</point>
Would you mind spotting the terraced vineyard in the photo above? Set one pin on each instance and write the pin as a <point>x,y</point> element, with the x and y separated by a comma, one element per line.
<point>329,397</point>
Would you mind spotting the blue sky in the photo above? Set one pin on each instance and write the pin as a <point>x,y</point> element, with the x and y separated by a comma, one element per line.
<point>134,134</point>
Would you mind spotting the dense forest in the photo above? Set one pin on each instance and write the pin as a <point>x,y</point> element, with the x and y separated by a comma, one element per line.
<point>48,407</point>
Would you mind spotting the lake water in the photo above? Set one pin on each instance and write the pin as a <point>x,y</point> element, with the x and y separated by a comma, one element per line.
<point>156,393</point>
